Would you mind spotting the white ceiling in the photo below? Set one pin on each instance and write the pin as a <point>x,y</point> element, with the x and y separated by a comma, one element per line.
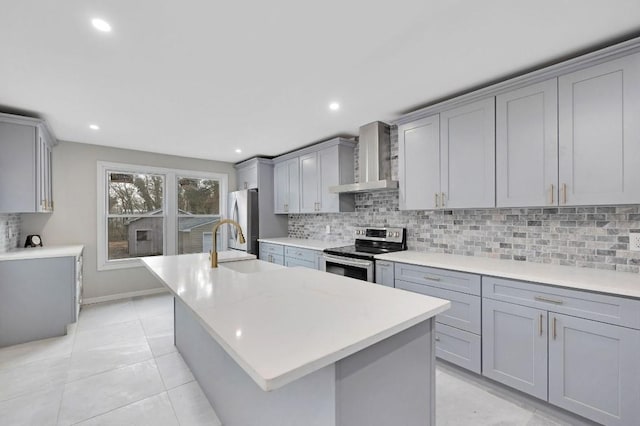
<point>201,78</point>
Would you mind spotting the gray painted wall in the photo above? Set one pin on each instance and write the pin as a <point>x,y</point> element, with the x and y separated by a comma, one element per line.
<point>74,220</point>
<point>9,232</point>
<point>594,237</point>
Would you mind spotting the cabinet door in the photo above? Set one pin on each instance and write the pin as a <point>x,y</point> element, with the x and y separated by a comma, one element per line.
<point>467,140</point>
<point>599,133</point>
<point>293,194</point>
<point>280,186</point>
<point>309,184</point>
<point>18,174</point>
<point>385,273</point>
<point>329,175</point>
<point>247,177</point>
<point>514,347</point>
<point>419,164</point>
<point>594,369</point>
<point>527,146</point>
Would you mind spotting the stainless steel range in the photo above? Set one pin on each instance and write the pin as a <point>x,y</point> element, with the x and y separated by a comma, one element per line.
<point>357,261</point>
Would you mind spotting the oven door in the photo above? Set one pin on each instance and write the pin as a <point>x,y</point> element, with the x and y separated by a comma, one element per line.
<point>348,267</point>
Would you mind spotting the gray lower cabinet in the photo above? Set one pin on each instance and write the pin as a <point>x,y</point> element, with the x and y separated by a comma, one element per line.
<point>38,298</point>
<point>290,256</point>
<point>458,329</point>
<point>594,369</point>
<point>273,253</point>
<point>527,146</point>
<point>514,351</point>
<point>385,273</point>
<point>576,349</point>
<point>599,133</point>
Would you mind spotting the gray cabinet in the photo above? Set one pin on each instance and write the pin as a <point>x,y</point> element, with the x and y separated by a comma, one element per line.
<point>594,369</point>
<point>457,329</point>
<point>247,176</point>
<point>294,256</point>
<point>419,164</point>
<point>467,168</point>
<point>38,297</point>
<point>385,273</point>
<point>25,165</point>
<point>527,146</point>
<point>287,186</point>
<point>583,347</point>
<point>319,167</point>
<point>514,351</point>
<point>599,133</point>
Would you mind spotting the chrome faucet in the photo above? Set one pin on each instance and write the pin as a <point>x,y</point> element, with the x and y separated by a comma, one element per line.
<point>214,251</point>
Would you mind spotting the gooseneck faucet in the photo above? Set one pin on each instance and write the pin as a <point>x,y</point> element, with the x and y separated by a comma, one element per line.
<point>214,251</point>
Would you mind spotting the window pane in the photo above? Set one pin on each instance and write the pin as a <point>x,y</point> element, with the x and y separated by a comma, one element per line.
<point>194,234</point>
<point>134,237</point>
<point>198,196</point>
<point>135,193</point>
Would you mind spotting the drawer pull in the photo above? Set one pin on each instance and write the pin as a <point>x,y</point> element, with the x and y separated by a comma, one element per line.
<point>427,277</point>
<point>540,324</point>
<point>555,334</point>
<point>544,299</point>
<point>437,339</point>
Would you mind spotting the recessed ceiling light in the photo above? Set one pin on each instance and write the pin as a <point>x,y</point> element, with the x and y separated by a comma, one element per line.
<point>94,127</point>
<point>334,106</point>
<point>101,25</point>
<point>238,151</point>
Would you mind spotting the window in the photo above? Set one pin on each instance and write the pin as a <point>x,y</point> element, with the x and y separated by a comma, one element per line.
<point>150,211</point>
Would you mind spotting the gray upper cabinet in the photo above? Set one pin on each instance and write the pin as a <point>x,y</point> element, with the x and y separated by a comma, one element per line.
<point>247,176</point>
<point>318,168</point>
<point>467,140</point>
<point>419,163</point>
<point>599,133</point>
<point>286,177</point>
<point>527,146</point>
<point>25,165</point>
<point>594,369</point>
<point>514,348</point>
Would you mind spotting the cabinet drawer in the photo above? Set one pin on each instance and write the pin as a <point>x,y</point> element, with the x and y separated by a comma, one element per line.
<point>465,308</point>
<point>442,278</point>
<point>272,258</point>
<point>584,304</point>
<point>272,248</point>
<point>299,253</point>
<point>458,347</point>
<point>299,262</point>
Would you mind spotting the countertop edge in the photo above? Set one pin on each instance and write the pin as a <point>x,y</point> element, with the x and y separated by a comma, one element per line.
<point>317,245</point>
<point>43,252</point>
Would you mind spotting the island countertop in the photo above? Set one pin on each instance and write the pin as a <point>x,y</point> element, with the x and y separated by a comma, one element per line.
<point>284,323</point>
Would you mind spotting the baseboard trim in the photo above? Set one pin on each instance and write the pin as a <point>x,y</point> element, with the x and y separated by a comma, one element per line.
<point>119,296</point>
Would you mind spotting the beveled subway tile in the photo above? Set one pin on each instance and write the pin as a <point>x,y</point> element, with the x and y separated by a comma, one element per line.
<point>101,393</point>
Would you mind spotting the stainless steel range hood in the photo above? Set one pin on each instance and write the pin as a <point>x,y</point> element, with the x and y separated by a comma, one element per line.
<point>374,161</point>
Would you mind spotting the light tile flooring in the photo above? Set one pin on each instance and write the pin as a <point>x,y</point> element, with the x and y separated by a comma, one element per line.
<point>118,366</point>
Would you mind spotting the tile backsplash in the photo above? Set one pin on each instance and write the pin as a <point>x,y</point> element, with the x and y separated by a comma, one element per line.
<point>9,231</point>
<point>593,237</point>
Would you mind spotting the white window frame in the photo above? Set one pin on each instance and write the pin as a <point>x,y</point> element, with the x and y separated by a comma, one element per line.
<point>169,205</point>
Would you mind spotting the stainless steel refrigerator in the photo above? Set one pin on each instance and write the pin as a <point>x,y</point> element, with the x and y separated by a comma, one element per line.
<point>243,208</point>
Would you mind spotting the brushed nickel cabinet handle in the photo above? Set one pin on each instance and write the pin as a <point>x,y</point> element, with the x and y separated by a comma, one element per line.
<point>547,300</point>
<point>437,339</point>
<point>564,193</point>
<point>540,325</point>
<point>427,277</point>
<point>442,199</point>
<point>555,334</point>
<point>437,200</point>
<point>552,187</point>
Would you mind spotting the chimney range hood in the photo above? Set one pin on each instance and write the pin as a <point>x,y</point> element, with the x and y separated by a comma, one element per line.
<point>374,161</point>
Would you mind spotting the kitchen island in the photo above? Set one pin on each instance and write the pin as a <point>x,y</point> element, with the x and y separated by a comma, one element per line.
<point>290,346</point>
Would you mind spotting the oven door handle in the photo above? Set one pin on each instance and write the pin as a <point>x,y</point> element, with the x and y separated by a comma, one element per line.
<point>350,262</point>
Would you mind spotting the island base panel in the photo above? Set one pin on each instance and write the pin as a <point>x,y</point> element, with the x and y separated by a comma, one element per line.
<point>390,382</point>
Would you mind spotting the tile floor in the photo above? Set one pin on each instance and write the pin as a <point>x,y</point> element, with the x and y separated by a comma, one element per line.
<point>118,366</point>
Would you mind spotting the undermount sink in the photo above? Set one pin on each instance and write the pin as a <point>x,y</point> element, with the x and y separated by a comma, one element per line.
<point>250,266</point>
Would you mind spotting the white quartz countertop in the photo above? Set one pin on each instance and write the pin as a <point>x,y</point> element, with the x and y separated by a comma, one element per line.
<point>234,256</point>
<point>41,252</point>
<point>601,281</point>
<point>302,243</point>
<point>284,323</point>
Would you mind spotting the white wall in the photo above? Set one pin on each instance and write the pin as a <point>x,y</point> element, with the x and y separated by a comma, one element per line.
<point>74,220</point>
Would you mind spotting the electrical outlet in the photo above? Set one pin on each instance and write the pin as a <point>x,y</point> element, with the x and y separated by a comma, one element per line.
<point>327,229</point>
<point>634,240</point>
